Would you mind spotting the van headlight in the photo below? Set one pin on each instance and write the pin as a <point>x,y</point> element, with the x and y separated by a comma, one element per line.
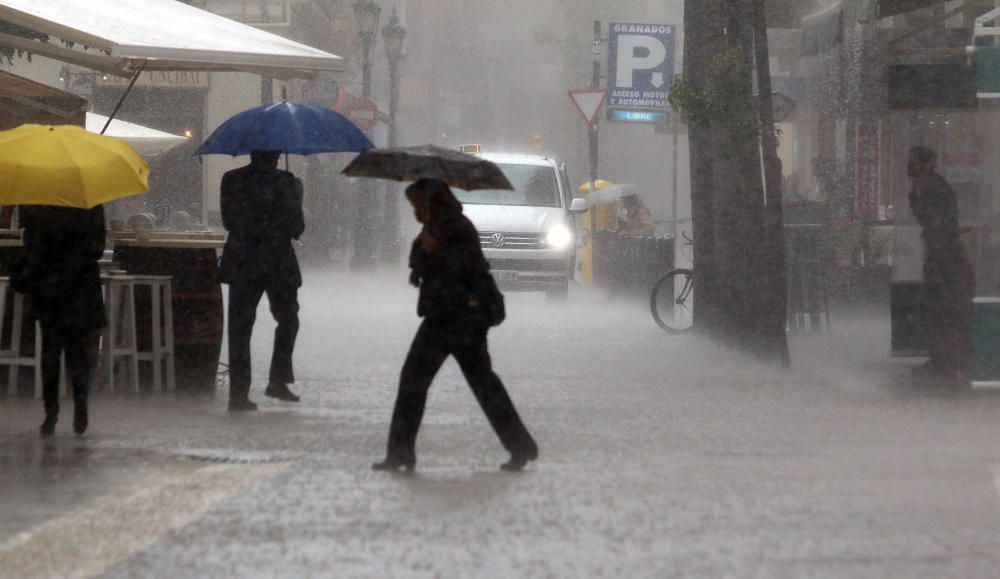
<point>558,237</point>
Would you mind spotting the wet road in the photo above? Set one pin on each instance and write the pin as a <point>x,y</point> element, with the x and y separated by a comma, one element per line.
<point>661,456</point>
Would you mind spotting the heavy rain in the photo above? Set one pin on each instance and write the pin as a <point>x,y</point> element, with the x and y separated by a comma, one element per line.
<point>468,288</point>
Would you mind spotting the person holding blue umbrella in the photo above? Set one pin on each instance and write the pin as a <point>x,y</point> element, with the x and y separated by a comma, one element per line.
<point>262,211</point>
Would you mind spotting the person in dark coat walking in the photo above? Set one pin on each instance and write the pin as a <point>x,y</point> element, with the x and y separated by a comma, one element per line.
<point>947,285</point>
<point>446,261</point>
<point>60,275</point>
<point>262,211</point>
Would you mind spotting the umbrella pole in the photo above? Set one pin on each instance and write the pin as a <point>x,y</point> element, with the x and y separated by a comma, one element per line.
<point>114,112</point>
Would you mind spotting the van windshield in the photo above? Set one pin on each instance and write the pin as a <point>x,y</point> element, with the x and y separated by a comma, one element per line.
<point>534,186</point>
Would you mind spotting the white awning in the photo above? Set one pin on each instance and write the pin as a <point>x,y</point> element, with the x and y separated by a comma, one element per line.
<point>159,35</point>
<point>146,141</point>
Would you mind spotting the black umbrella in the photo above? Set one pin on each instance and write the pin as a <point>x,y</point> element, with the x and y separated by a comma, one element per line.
<point>411,163</point>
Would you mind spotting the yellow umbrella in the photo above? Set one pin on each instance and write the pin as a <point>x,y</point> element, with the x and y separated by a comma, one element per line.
<point>599,184</point>
<point>68,166</point>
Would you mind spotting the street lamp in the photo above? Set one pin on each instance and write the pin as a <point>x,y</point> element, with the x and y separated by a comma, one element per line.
<point>367,16</point>
<point>394,37</point>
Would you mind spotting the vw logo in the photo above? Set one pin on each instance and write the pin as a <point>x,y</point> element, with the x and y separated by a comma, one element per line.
<point>498,239</point>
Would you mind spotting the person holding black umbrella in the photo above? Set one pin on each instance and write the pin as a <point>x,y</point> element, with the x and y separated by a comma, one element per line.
<point>262,211</point>
<point>459,302</point>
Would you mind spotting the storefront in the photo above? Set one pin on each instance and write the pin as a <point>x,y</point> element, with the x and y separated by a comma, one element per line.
<point>882,85</point>
<point>938,98</point>
<point>166,48</point>
<point>172,101</point>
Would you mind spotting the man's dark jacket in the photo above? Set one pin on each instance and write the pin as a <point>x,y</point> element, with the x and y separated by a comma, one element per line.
<point>449,276</point>
<point>262,210</point>
<point>935,208</point>
<point>59,270</point>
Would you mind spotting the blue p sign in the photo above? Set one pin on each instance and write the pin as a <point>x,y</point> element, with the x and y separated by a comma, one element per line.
<point>640,65</point>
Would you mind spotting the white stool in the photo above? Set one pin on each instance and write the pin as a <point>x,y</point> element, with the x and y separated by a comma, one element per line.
<point>118,340</point>
<point>11,356</point>
<point>161,353</point>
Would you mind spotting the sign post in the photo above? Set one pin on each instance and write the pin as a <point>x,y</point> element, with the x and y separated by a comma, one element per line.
<point>588,102</point>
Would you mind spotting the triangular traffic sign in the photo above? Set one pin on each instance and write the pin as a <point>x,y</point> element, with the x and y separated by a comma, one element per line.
<point>589,101</point>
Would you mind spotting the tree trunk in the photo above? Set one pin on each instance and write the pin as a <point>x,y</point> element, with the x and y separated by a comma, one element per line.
<point>740,291</point>
<point>738,231</point>
<point>703,39</point>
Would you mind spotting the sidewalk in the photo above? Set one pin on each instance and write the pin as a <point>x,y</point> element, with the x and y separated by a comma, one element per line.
<point>661,456</point>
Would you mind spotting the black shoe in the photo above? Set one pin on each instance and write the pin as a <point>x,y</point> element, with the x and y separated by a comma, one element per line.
<point>281,392</point>
<point>395,463</point>
<point>48,427</point>
<point>241,405</point>
<point>80,419</point>
<point>519,459</point>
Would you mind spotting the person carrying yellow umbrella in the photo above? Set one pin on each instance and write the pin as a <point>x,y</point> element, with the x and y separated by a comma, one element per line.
<point>60,176</point>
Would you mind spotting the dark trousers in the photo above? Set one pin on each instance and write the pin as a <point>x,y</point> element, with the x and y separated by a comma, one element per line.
<point>243,300</point>
<point>434,341</point>
<point>947,309</point>
<point>56,338</point>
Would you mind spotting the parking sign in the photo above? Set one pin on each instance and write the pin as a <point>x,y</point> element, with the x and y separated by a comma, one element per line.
<point>640,65</point>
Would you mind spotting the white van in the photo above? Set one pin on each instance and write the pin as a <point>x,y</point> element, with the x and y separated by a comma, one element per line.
<point>528,235</point>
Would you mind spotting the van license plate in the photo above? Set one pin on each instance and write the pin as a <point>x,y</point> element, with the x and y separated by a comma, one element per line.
<point>505,275</point>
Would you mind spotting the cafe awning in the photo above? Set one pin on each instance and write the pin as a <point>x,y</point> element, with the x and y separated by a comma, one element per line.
<point>146,141</point>
<point>126,35</point>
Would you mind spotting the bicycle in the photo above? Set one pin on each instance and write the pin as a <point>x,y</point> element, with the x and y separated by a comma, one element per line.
<point>677,283</point>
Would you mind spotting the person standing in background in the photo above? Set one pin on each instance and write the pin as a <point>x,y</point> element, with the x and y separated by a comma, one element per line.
<point>262,211</point>
<point>946,273</point>
<point>638,220</point>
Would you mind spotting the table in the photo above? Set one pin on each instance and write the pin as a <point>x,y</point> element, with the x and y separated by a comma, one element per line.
<point>190,259</point>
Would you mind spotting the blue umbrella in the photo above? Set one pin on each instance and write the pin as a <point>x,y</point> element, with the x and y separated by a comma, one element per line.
<point>295,128</point>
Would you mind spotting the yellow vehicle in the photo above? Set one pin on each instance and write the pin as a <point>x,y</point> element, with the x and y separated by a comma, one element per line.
<point>605,205</point>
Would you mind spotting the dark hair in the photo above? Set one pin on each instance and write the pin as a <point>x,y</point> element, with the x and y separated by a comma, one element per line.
<point>268,157</point>
<point>924,155</point>
<point>440,200</point>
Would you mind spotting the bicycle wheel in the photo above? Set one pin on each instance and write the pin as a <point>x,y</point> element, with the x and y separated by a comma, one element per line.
<point>671,302</point>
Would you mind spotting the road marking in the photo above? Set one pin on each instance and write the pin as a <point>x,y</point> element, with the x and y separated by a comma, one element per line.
<point>87,542</point>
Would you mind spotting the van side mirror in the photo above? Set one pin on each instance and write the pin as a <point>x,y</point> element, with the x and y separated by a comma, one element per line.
<point>578,205</point>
